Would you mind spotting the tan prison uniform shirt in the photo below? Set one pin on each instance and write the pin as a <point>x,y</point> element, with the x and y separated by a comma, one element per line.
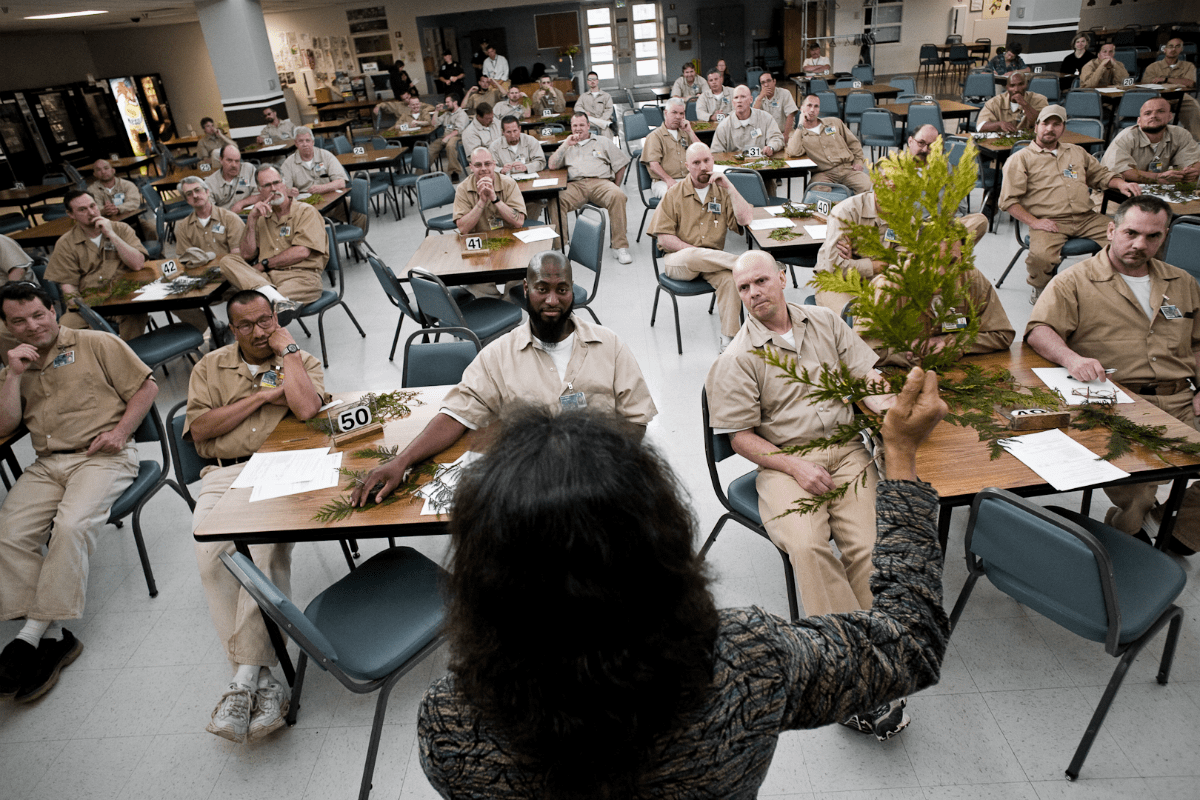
<point>222,378</point>
<point>455,120</point>
<point>1097,74</point>
<point>1130,149</point>
<point>780,106</point>
<point>475,135</point>
<point>595,157</point>
<point>124,194</point>
<point>284,130</point>
<point>426,115</point>
<point>1051,186</point>
<point>466,196</point>
<point>79,390</point>
<point>1092,308</point>
<point>999,109</point>
<point>670,152</point>
<point>552,100</point>
<point>225,193</point>
<point>210,146</point>
<point>710,104</point>
<point>221,235</point>
<point>393,108</point>
<point>861,209</point>
<point>682,89</point>
<point>491,97</point>
<point>995,330</point>
<point>1161,72</point>
<point>506,109</point>
<point>597,105</point>
<point>682,213</point>
<point>302,225</point>
<point>322,169</point>
<point>757,130</point>
<point>745,393</point>
<point>11,256</point>
<point>832,145</point>
<point>512,369</point>
<point>527,151</point>
<point>80,263</point>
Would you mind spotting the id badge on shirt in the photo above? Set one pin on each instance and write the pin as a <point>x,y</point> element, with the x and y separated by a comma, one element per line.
<point>889,235</point>
<point>118,198</point>
<point>108,246</point>
<point>1170,311</point>
<point>1070,172</point>
<point>218,228</point>
<point>957,325</point>
<point>714,207</point>
<point>1156,165</point>
<point>285,230</point>
<point>495,223</point>
<point>756,132</point>
<point>270,379</point>
<point>828,130</point>
<point>63,359</point>
<point>576,401</point>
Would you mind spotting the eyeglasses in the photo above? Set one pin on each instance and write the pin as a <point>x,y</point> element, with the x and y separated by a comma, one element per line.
<point>246,326</point>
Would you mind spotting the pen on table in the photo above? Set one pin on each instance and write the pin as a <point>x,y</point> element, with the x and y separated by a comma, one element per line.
<point>301,439</point>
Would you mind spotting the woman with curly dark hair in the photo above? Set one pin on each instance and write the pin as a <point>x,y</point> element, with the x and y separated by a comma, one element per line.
<point>587,657</point>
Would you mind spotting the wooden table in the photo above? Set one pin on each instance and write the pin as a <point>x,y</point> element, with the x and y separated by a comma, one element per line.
<point>444,256</point>
<point>333,110</point>
<point>771,173</point>
<point>553,119</point>
<point>1000,153</point>
<point>951,109</point>
<point>25,198</point>
<point>48,233</point>
<point>332,127</point>
<point>202,298</point>
<point>531,193</point>
<point>277,149</point>
<point>804,244</point>
<point>959,465</point>
<point>182,142</point>
<point>126,165</point>
<point>389,158</point>
<point>169,182</point>
<point>982,48</point>
<point>1177,209</point>
<point>553,142</point>
<point>879,90</point>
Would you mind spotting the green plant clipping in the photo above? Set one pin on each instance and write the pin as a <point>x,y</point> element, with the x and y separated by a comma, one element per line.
<point>340,508</point>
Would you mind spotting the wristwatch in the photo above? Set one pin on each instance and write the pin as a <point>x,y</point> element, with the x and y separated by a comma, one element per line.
<point>266,263</point>
<point>291,348</point>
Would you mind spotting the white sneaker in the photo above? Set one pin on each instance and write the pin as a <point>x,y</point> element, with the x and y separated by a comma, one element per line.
<point>623,256</point>
<point>270,706</point>
<point>231,718</point>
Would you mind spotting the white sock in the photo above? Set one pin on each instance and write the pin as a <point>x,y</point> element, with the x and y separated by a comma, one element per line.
<point>265,677</point>
<point>33,631</point>
<point>54,631</point>
<point>246,675</point>
<point>272,294</point>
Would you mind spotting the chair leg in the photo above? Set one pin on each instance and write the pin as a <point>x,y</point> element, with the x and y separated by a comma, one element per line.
<point>381,701</point>
<point>147,570</point>
<point>304,327</point>
<point>349,556</point>
<point>1008,269</point>
<point>961,603</point>
<point>678,335</point>
<point>297,688</point>
<point>712,537</point>
<point>654,310</point>
<point>643,225</point>
<point>712,303</point>
<point>789,575</point>
<point>396,338</point>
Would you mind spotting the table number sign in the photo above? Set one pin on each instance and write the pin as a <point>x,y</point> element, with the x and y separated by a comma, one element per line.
<point>1037,70</point>
<point>267,141</point>
<point>353,422</point>
<point>360,151</point>
<point>823,208</point>
<point>206,167</point>
<point>548,131</point>
<point>169,268</point>
<point>754,152</point>
<point>547,112</point>
<point>1127,82</point>
<point>856,85</point>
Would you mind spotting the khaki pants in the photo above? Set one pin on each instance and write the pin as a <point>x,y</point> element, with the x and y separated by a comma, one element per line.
<point>1045,249</point>
<point>1134,501</point>
<point>65,499</point>
<point>859,182</point>
<point>234,613</point>
<point>1189,117</point>
<point>828,584</point>
<point>716,267</point>
<point>603,193</point>
<point>128,328</point>
<point>451,147</point>
<point>301,285</point>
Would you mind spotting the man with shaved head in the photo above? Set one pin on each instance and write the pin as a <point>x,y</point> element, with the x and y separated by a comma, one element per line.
<point>1174,70</point>
<point>1014,110</point>
<point>556,358</point>
<point>747,127</point>
<point>113,195</point>
<point>1154,150</point>
<point>762,411</point>
<point>487,201</point>
<point>689,225</point>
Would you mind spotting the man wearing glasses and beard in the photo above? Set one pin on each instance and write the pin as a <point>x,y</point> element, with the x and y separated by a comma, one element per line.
<point>556,359</point>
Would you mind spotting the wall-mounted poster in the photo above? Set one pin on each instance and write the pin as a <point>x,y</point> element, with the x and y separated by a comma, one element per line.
<point>977,5</point>
<point>996,9</point>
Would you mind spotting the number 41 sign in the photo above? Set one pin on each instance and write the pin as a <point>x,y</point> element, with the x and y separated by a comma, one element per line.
<point>353,422</point>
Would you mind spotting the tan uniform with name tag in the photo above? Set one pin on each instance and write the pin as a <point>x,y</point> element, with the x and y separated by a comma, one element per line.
<point>835,150</point>
<point>303,226</point>
<point>77,261</point>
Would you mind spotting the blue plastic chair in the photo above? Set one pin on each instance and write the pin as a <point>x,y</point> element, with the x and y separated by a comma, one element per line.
<point>636,129</point>
<point>675,288</point>
<point>649,202</point>
<point>1128,58</point>
<point>1045,86</point>
<point>435,190</point>
<point>1183,245</point>
<point>1089,127</point>
<point>1130,107</point>
<point>922,114</point>
<point>1091,579</point>
<point>978,88</point>
<point>437,363</point>
<point>856,104</point>
<point>157,347</point>
<point>1084,104</point>
<point>13,222</point>
<point>905,83</point>
<point>829,104</point>
<point>368,630</point>
<point>396,295</point>
<point>344,233</point>
<point>864,73</point>
<point>483,319</point>
<point>328,299</point>
<point>740,500</point>
<point>877,129</point>
<point>652,114</point>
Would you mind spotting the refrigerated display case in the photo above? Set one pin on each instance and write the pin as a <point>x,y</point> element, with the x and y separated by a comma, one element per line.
<point>129,111</point>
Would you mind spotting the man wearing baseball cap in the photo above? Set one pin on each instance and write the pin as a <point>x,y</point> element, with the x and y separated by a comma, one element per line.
<point>1047,186</point>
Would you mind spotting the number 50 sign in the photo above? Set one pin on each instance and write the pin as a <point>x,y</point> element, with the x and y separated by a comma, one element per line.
<point>353,422</point>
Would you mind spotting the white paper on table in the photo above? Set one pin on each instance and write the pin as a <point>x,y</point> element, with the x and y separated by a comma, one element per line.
<point>1063,462</point>
<point>718,169</point>
<point>768,224</point>
<point>443,484</point>
<point>270,147</point>
<point>1110,90</point>
<point>801,162</point>
<point>330,405</point>
<point>151,291</point>
<point>1158,87</point>
<point>776,210</point>
<point>522,176</point>
<point>288,466</point>
<point>538,234</point>
<point>815,231</point>
<point>304,195</point>
<point>1057,379</point>
<point>544,182</point>
<point>326,478</point>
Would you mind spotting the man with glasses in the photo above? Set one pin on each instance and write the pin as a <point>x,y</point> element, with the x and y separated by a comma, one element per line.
<point>1176,71</point>
<point>284,246</point>
<point>236,397</point>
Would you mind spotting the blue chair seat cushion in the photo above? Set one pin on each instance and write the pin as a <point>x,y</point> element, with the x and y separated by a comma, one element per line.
<point>488,316</point>
<point>345,232</point>
<point>743,496</point>
<point>148,474</point>
<point>323,302</point>
<point>1146,579</point>
<point>1072,247</point>
<point>166,343</point>
<point>443,223</point>
<point>406,612</point>
<point>696,286</point>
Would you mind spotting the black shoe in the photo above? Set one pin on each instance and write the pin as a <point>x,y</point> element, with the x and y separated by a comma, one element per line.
<point>16,663</point>
<point>52,656</point>
<point>287,311</point>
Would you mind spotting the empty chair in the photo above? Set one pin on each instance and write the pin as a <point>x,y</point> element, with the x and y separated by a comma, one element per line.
<point>435,191</point>
<point>1183,245</point>
<point>921,114</point>
<point>328,299</point>
<point>171,214</point>
<point>843,83</point>
<point>1130,107</point>
<point>636,129</point>
<point>1089,127</point>
<point>960,57</point>
<point>653,115</point>
<point>817,85</point>
<point>856,104</point>
<point>360,202</point>
<point>833,192</point>
<point>751,187</point>
<point>829,104</point>
<point>156,348</point>
<point>864,73</point>
<point>1091,579</point>
<point>1128,58</point>
<point>877,129</point>
<point>1045,86</point>
<point>1084,104</point>
<point>905,83</point>
<point>978,88</point>
<point>930,60</point>
<point>645,181</point>
<point>341,145</point>
<point>13,222</point>
<point>484,318</point>
<point>437,363</point>
<point>394,291</point>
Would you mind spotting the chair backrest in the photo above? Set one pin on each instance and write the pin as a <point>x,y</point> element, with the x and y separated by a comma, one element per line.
<point>54,179</point>
<point>905,97</point>
<point>1046,86</point>
<point>1131,104</point>
<point>1128,57</point>
<point>864,73</point>
<point>341,145</point>
<point>360,195</point>
<point>905,83</point>
<point>829,104</point>
<point>749,185</point>
<point>878,124</point>
<point>929,54</point>
<point>833,192</point>
<point>717,448</point>
<point>1088,127</point>
<point>978,84</point>
<point>690,112</point>
<point>39,269</point>
<point>636,128</point>
<point>959,54</point>
<point>954,38</point>
<point>842,83</point>
<point>653,116</point>
<point>76,177</point>
<point>94,320</point>
<point>587,243</point>
<point>438,363</point>
<point>323,143</point>
<point>817,85</point>
<point>1083,103</point>
<point>856,104</point>
<point>1183,245</point>
<point>921,114</point>
<point>184,456</point>
<point>393,288</point>
<point>152,197</point>
<point>379,143</point>
<point>434,190</point>
<point>434,301</point>
<point>645,179</point>
<point>13,222</point>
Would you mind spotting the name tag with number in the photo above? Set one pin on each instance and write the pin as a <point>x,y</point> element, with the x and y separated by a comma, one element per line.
<point>354,417</point>
<point>548,131</point>
<point>1127,82</point>
<point>169,268</point>
<point>474,243</point>
<point>360,151</point>
<point>714,207</point>
<point>547,112</point>
<point>1170,312</point>
<point>206,167</point>
<point>1037,70</point>
<point>823,207</point>
<point>856,85</point>
<point>753,152</point>
<point>285,230</point>
<point>267,141</point>
<point>718,117</point>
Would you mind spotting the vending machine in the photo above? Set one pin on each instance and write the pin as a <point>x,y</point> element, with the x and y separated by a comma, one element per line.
<point>130,112</point>
<point>24,152</point>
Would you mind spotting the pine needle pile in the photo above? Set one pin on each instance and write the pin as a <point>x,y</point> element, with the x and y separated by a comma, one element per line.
<point>1124,433</point>
<point>784,234</point>
<point>797,211</point>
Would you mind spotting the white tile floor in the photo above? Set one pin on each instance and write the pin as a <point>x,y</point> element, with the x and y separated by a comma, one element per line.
<point>127,719</point>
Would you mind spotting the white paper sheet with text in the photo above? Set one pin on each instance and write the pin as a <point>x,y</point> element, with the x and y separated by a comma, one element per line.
<point>439,491</point>
<point>538,234</point>
<point>523,176</point>
<point>542,182</point>
<point>289,466</point>
<point>801,162</point>
<point>327,478</point>
<point>768,224</point>
<point>1063,462</point>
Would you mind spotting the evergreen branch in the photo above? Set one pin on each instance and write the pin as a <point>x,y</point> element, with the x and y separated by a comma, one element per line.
<point>785,234</point>
<point>797,211</point>
<point>340,507</point>
<point>1124,433</point>
<point>379,452</point>
<point>810,505</point>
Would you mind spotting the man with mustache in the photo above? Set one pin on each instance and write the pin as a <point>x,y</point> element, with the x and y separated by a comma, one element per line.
<point>557,358</point>
<point>284,248</point>
<point>232,186</point>
<point>1125,310</point>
